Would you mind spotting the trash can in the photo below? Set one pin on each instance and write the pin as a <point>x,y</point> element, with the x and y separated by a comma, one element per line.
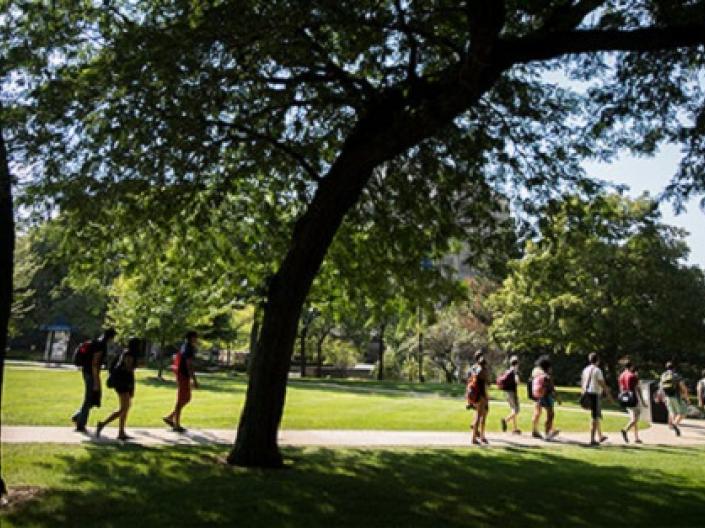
<point>656,412</point>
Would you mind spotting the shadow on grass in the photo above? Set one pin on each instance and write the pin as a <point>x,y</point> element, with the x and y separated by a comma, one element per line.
<point>138,486</point>
<point>230,386</point>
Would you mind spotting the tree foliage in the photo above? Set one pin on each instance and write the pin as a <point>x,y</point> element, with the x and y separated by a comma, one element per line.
<point>151,105</point>
<point>605,276</point>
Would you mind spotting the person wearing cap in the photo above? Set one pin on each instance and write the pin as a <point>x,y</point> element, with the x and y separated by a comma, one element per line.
<point>482,407</point>
<point>510,386</point>
<point>185,373</point>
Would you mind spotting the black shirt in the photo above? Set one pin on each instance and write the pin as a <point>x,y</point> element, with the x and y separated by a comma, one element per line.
<point>98,346</point>
<point>188,351</point>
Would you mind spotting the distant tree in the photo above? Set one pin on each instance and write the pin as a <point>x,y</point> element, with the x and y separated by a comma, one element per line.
<point>604,276</point>
<point>452,341</point>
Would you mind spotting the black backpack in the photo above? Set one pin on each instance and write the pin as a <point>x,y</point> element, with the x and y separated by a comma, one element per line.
<point>82,354</point>
<point>530,389</point>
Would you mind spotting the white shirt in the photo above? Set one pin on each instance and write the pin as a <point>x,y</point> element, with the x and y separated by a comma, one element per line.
<point>592,376</point>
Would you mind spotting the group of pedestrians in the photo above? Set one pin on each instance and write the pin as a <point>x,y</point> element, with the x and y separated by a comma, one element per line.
<point>541,390</point>
<point>91,356</point>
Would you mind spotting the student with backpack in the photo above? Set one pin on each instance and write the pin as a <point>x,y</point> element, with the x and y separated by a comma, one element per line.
<point>631,399</point>
<point>478,398</point>
<point>122,379</point>
<point>509,382</point>
<point>543,392</point>
<point>89,356</point>
<point>185,373</point>
<point>593,386</point>
<point>677,397</point>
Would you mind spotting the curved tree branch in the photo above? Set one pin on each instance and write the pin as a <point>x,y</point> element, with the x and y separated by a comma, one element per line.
<point>556,44</point>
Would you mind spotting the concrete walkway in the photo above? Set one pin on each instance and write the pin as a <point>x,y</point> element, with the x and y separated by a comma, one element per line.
<point>693,434</point>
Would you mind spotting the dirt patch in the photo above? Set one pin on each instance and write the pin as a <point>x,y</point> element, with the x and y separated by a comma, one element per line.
<point>20,495</point>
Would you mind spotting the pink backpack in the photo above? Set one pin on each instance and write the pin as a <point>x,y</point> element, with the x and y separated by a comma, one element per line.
<point>539,386</point>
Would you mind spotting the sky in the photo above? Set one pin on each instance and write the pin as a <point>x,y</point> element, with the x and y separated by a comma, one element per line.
<point>652,175</point>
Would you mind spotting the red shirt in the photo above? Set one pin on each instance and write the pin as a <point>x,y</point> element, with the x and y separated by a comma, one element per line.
<point>628,381</point>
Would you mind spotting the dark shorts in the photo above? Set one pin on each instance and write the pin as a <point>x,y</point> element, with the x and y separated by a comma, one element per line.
<point>546,402</point>
<point>184,393</point>
<point>595,407</point>
<point>125,384</point>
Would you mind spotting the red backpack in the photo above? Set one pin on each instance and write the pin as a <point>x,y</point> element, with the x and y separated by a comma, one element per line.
<point>82,354</point>
<point>472,390</point>
<point>507,381</point>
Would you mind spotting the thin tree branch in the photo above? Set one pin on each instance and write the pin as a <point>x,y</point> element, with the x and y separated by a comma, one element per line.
<point>552,45</point>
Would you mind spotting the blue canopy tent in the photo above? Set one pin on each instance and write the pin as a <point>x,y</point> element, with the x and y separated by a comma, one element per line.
<point>58,337</point>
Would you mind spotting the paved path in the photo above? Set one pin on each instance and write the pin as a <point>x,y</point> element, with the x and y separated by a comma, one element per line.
<point>693,434</point>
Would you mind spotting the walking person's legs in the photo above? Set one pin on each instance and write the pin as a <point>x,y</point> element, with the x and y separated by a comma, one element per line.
<point>485,406</point>
<point>80,417</point>
<point>535,420</point>
<point>121,413</point>
<point>183,396</point>
<point>476,426</point>
<point>550,414</point>
<point>125,403</point>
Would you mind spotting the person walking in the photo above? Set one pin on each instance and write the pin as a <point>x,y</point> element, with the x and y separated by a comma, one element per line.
<point>91,361</point>
<point>544,392</point>
<point>677,397</point>
<point>593,387</point>
<point>509,382</point>
<point>633,399</point>
<point>185,373</point>
<point>122,379</point>
<point>478,398</point>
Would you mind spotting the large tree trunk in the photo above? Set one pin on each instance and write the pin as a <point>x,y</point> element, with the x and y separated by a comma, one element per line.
<point>386,130</point>
<point>7,250</point>
<point>256,442</point>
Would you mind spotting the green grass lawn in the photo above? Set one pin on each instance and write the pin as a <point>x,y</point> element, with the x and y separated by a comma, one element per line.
<point>123,486</point>
<point>48,397</point>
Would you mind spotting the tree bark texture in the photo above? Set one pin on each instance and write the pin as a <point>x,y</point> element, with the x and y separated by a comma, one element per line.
<point>7,250</point>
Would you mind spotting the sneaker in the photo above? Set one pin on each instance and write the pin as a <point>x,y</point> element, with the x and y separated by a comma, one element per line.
<point>516,432</point>
<point>536,435</point>
<point>603,439</point>
<point>638,442</point>
<point>678,431</point>
<point>484,441</point>
<point>179,429</point>
<point>125,437</point>
<point>593,443</point>
<point>168,421</point>
<point>81,429</point>
<point>624,435</point>
<point>99,428</point>
<point>553,434</point>
<point>504,425</point>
